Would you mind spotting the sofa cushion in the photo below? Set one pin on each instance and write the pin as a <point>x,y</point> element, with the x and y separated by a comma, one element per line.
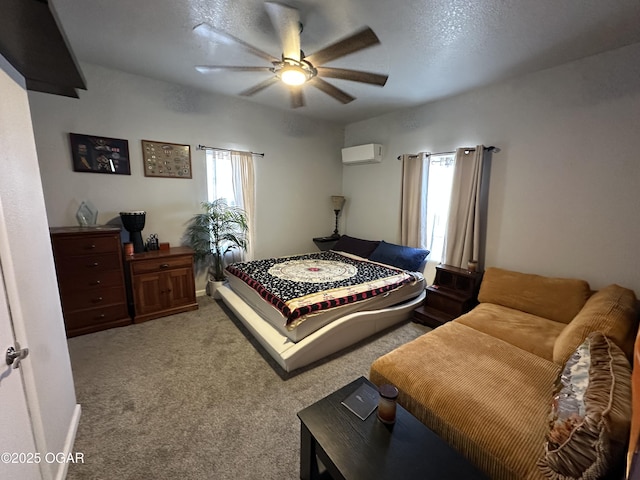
<point>611,311</point>
<point>558,299</point>
<point>591,413</point>
<point>529,332</point>
<point>486,398</point>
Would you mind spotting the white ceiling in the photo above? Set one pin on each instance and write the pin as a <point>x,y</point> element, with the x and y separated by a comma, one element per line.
<point>429,48</point>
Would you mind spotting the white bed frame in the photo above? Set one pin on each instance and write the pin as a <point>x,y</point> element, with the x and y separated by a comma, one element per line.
<point>329,339</point>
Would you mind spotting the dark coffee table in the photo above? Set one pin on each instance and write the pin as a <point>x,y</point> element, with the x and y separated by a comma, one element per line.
<point>351,448</point>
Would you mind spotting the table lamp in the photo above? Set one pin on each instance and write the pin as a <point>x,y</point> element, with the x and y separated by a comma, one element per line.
<point>338,203</point>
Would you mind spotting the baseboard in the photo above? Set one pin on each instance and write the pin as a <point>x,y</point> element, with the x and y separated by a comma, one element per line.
<point>201,293</point>
<point>69,442</point>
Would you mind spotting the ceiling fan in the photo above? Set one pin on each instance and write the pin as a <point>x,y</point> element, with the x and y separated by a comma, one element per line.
<point>294,68</point>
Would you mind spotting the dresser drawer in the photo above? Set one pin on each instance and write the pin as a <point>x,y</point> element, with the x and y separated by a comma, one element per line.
<point>88,264</point>
<point>82,299</point>
<point>91,280</point>
<point>86,245</point>
<point>161,264</point>
<point>96,316</point>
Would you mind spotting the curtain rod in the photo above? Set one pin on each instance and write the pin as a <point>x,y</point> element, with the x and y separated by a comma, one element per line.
<point>204,147</point>
<point>470,149</point>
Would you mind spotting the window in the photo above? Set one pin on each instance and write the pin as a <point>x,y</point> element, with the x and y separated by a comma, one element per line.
<point>220,177</point>
<point>230,175</point>
<point>439,179</point>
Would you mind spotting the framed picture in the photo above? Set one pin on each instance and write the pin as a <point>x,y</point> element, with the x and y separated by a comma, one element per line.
<point>95,154</point>
<point>164,159</point>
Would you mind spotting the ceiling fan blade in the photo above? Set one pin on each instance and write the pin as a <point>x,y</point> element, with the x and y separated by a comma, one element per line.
<point>207,31</point>
<point>230,68</point>
<point>329,89</point>
<point>297,97</point>
<point>353,75</point>
<point>286,21</point>
<point>358,41</point>
<point>259,87</point>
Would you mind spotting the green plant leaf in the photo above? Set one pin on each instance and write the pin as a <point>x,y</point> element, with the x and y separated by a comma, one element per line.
<point>215,232</point>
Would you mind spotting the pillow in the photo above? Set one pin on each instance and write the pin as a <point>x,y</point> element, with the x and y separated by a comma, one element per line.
<point>590,414</point>
<point>406,258</point>
<point>355,246</point>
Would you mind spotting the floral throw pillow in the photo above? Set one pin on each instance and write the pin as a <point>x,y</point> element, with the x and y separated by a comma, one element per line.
<point>590,413</point>
<point>568,405</point>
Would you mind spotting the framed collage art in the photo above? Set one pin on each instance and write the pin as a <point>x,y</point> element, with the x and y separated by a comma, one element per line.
<point>164,159</point>
<point>91,153</point>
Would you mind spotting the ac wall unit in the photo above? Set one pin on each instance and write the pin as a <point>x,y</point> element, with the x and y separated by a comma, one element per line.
<point>369,153</point>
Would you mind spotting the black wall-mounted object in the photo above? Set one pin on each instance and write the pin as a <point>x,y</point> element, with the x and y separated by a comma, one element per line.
<point>32,40</point>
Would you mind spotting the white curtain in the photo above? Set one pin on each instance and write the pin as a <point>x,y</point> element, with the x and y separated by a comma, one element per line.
<point>244,188</point>
<point>415,169</point>
<point>462,242</point>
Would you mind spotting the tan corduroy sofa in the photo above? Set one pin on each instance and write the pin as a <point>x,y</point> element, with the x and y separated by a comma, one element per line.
<point>485,381</point>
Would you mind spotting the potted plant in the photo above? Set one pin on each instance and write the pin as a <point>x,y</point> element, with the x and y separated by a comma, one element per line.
<point>212,234</point>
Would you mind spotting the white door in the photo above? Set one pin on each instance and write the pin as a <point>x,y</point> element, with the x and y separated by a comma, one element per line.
<point>38,400</point>
<point>17,447</point>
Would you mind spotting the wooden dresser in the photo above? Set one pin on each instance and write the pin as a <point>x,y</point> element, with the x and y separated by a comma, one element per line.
<point>162,283</point>
<point>90,278</point>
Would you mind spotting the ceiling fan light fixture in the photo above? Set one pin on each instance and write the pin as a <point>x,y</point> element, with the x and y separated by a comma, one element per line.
<point>293,75</point>
<point>294,68</point>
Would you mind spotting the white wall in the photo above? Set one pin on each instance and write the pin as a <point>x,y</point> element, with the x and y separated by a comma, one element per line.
<point>301,168</point>
<point>29,274</point>
<point>564,191</point>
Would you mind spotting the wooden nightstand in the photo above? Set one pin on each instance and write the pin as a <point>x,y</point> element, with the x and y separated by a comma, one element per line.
<point>326,243</point>
<point>454,292</point>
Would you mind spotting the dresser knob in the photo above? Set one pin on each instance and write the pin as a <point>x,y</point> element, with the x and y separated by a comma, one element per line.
<point>93,265</point>
<point>97,300</point>
<point>164,265</point>
<point>97,282</point>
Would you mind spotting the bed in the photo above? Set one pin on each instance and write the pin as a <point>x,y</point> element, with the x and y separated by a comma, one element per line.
<point>302,308</point>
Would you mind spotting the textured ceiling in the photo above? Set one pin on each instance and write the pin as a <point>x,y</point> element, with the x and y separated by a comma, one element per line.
<point>429,49</point>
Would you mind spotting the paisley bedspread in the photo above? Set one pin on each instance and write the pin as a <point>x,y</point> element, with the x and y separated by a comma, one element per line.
<point>301,285</point>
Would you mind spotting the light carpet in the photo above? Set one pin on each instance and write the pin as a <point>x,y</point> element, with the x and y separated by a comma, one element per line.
<point>193,396</point>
